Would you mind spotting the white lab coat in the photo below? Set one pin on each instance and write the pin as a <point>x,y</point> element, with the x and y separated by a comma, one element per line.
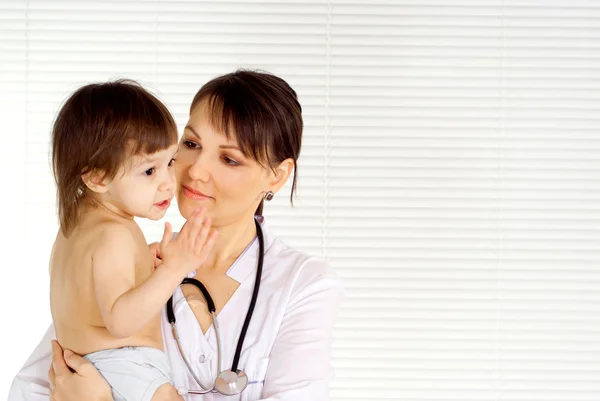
<point>286,353</point>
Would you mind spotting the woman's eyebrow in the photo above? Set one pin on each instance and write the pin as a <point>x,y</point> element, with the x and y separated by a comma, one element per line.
<point>193,131</point>
<point>220,146</point>
<point>230,147</point>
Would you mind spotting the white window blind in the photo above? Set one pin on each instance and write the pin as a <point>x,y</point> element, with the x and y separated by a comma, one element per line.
<point>450,172</point>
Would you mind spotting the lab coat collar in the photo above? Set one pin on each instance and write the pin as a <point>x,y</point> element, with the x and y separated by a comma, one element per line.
<point>245,264</point>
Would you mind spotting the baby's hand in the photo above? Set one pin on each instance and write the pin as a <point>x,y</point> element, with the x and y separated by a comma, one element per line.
<point>155,252</point>
<point>191,247</point>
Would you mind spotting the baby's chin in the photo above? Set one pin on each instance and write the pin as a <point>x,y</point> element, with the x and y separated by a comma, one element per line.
<point>154,216</point>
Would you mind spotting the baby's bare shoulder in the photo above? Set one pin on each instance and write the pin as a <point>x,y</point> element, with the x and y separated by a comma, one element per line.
<point>111,236</point>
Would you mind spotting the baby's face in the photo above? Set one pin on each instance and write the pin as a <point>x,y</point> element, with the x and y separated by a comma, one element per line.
<point>146,184</point>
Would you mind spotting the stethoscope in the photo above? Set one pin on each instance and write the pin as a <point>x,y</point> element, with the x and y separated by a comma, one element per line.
<point>234,380</point>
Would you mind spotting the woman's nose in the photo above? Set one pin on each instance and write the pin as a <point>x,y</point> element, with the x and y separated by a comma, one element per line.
<point>198,170</point>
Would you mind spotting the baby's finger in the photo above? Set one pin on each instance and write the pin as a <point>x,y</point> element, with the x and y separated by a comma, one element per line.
<point>184,233</point>
<point>210,242</point>
<point>203,235</point>
<point>167,235</point>
<point>196,226</point>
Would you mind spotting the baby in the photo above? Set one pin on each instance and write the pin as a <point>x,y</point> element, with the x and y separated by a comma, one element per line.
<point>113,149</point>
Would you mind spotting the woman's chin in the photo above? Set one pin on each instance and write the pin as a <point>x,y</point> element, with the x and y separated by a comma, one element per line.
<point>186,208</point>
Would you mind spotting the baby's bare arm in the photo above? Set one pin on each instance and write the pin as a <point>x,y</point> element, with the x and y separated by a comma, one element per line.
<point>127,309</point>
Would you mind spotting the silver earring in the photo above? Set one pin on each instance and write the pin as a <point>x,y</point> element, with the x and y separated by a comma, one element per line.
<point>269,195</point>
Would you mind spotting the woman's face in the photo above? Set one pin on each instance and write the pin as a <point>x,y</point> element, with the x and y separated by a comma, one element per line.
<point>212,172</point>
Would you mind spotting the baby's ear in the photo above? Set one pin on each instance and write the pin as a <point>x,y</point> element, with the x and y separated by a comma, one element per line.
<point>95,181</point>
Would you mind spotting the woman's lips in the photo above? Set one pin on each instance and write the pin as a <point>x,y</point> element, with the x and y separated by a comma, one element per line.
<point>193,194</point>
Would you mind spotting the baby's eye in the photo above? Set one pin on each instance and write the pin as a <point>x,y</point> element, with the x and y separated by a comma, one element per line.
<point>150,171</point>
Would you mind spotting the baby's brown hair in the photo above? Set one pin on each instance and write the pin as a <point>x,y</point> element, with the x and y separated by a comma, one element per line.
<point>98,128</point>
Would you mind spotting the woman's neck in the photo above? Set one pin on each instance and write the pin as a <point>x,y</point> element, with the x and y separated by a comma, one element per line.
<point>232,240</point>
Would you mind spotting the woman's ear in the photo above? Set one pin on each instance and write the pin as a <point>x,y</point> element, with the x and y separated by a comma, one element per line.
<point>95,181</point>
<point>281,173</point>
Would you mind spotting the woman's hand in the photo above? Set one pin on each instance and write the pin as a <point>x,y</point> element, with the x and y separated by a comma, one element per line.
<point>73,378</point>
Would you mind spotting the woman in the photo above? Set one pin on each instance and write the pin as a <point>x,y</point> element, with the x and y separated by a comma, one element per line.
<point>239,147</point>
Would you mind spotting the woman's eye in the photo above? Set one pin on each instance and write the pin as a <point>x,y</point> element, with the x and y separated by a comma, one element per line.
<point>150,171</point>
<point>191,145</point>
<point>232,162</point>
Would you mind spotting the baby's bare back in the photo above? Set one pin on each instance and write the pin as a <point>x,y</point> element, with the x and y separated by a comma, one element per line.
<point>77,318</point>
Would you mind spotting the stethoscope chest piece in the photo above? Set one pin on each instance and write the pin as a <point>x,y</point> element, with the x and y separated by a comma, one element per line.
<point>231,383</point>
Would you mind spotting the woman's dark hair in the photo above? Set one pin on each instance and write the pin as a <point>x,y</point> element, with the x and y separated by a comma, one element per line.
<point>261,111</point>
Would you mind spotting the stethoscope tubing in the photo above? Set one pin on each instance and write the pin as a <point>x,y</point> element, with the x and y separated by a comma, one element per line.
<point>211,307</point>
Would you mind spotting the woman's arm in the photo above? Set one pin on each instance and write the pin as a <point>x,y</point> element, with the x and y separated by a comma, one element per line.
<point>81,382</point>
<point>300,362</point>
<point>46,364</point>
<point>31,382</point>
